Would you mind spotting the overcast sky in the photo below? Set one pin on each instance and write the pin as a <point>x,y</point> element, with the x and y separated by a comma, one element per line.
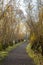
<point>23,5</point>
<point>21,2</point>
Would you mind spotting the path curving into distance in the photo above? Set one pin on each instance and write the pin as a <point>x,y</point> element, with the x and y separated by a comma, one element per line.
<point>18,56</point>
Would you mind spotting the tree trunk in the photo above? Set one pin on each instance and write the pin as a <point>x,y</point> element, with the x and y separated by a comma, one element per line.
<point>42,49</point>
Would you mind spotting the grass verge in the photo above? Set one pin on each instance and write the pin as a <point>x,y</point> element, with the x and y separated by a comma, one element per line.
<point>4,53</point>
<point>37,57</point>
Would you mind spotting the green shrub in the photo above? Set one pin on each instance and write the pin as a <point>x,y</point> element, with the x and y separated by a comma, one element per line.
<point>4,45</point>
<point>0,46</point>
<point>11,43</point>
<point>16,41</point>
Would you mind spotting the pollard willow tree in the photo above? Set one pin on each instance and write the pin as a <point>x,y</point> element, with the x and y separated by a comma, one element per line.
<point>36,27</point>
<point>8,24</point>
